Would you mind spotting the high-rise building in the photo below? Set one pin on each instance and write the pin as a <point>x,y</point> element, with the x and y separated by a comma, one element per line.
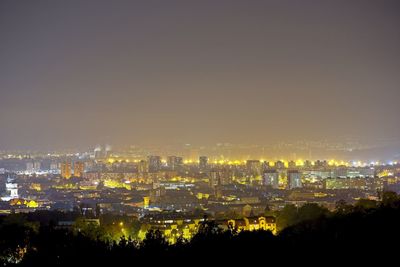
<point>33,166</point>
<point>203,163</point>
<point>11,189</point>
<point>154,163</point>
<point>179,162</point>
<point>54,166</point>
<point>171,162</point>
<point>340,172</point>
<point>294,179</point>
<point>98,153</point>
<point>107,151</point>
<point>271,178</point>
<point>143,167</point>
<point>174,162</point>
<point>265,166</point>
<point>225,177</point>
<point>66,170</point>
<point>79,168</point>
<point>37,166</point>
<point>220,177</point>
<point>29,166</point>
<point>214,178</point>
<point>253,168</point>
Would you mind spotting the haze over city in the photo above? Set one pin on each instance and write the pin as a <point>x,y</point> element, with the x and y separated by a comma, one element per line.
<point>77,73</point>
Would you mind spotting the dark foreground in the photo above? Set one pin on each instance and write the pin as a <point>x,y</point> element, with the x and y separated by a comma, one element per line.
<point>353,234</point>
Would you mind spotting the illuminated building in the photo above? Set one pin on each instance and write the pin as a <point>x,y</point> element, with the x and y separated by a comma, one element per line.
<point>35,186</point>
<point>271,178</point>
<point>66,170</point>
<point>220,177</point>
<point>146,202</point>
<point>203,163</point>
<point>265,166</point>
<point>29,166</point>
<point>254,224</point>
<point>33,166</point>
<point>107,151</point>
<point>179,161</point>
<point>353,172</point>
<point>214,178</point>
<point>225,177</point>
<point>174,162</point>
<point>143,167</point>
<point>367,172</point>
<point>154,163</point>
<point>171,228</point>
<point>78,169</point>
<point>98,154</point>
<point>317,174</point>
<point>340,172</point>
<point>294,179</point>
<point>11,189</point>
<point>171,162</point>
<point>36,166</point>
<point>253,167</point>
<point>54,166</point>
<point>352,183</point>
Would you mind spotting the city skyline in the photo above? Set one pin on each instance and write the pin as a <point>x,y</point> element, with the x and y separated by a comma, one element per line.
<point>75,74</point>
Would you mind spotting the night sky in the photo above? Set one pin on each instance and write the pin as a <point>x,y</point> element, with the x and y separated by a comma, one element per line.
<point>78,73</point>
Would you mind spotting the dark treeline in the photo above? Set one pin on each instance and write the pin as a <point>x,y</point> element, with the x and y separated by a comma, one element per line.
<point>365,232</point>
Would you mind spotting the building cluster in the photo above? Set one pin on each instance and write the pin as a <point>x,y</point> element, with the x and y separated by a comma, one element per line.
<point>172,194</point>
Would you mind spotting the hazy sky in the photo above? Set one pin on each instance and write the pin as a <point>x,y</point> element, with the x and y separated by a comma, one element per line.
<point>77,73</point>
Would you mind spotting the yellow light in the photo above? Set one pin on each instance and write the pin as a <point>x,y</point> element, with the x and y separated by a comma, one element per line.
<point>32,204</point>
<point>332,163</point>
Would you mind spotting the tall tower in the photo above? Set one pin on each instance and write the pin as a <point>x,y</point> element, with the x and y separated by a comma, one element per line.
<point>171,162</point>
<point>253,167</point>
<point>143,167</point>
<point>98,152</point>
<point>11,188</point>
<point>79,168</point>
<point>66,170</point>
<point>203,163</point>
<point>294,179</point>
<point>37,166</point>
<point>214,178</point>
<point>174,162</point>
<point>154,163</point>
<point>271,178</point>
